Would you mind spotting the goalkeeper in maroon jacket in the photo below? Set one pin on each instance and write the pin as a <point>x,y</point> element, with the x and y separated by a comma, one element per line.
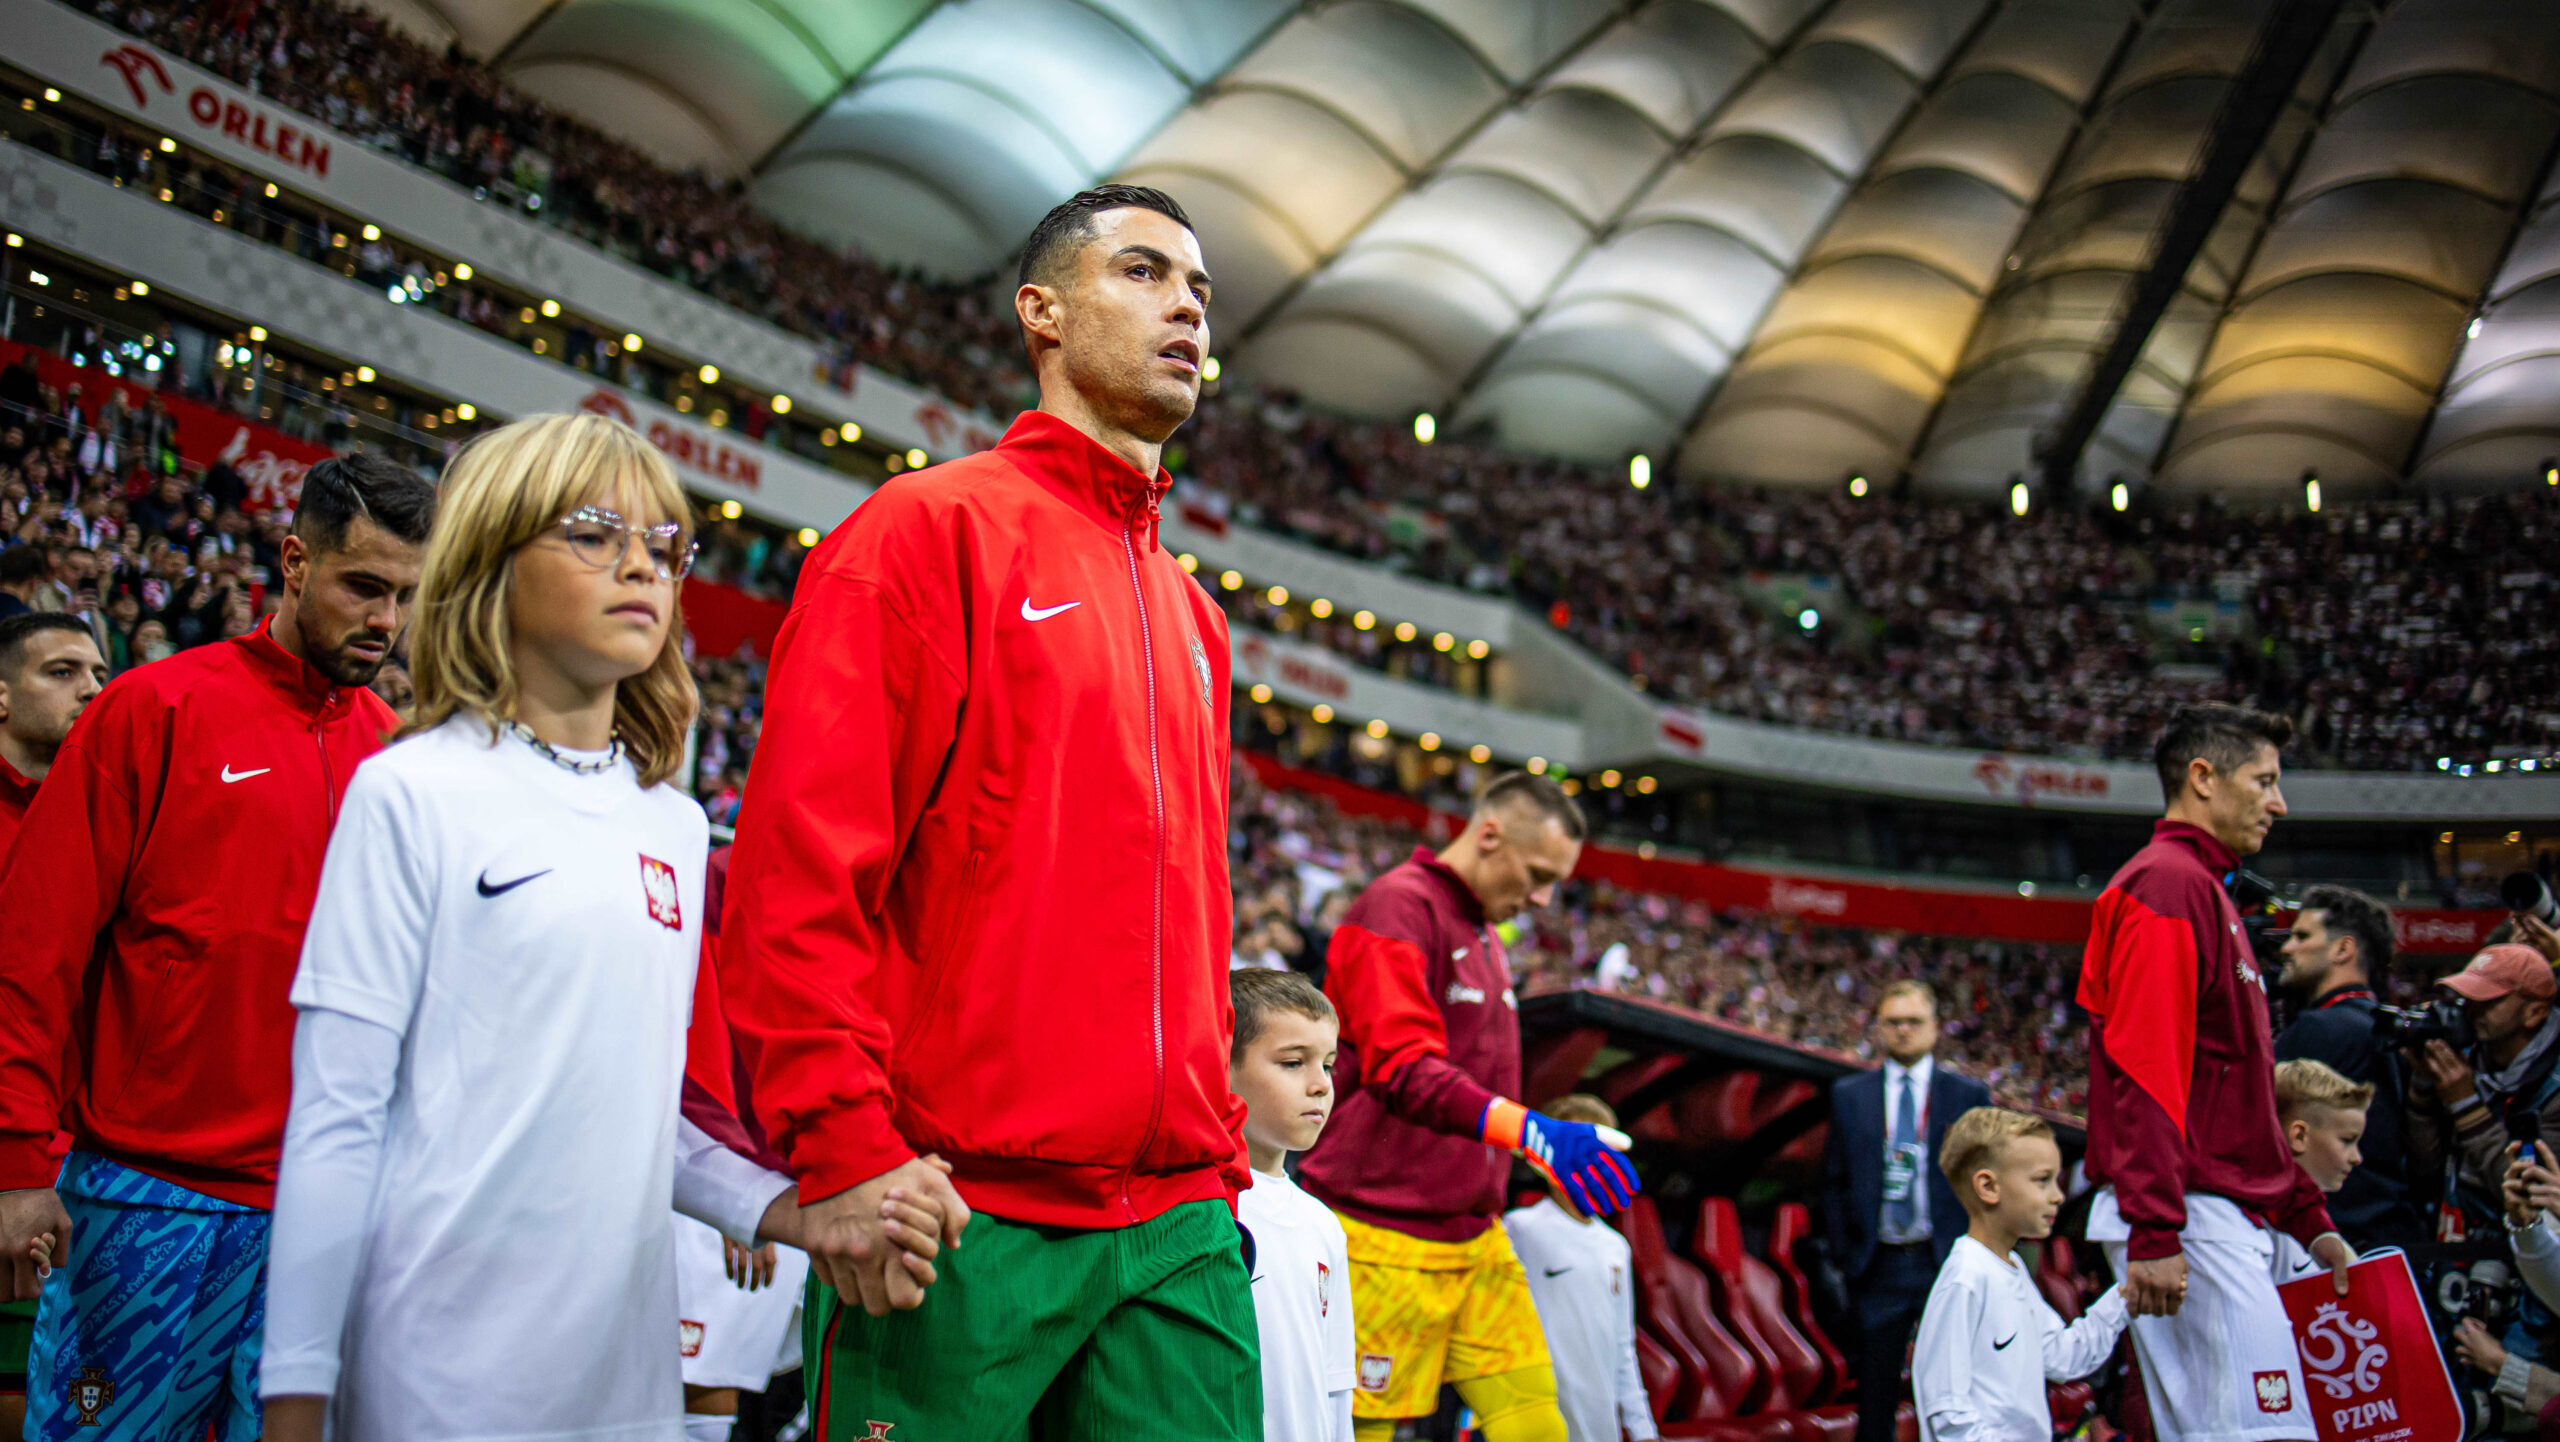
<point>2194,1172</point>
<point>1420,1146</point>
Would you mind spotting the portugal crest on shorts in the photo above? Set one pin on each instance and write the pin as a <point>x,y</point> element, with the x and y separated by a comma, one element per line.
<point>89,1393</point>
<point>2275,1393</point>
<point>658,886</point>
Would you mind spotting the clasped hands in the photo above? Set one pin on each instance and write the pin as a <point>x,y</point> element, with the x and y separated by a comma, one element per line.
<point>876,1243</point>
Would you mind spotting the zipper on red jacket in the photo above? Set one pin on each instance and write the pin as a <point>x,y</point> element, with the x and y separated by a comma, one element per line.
<point>1155,775</point>
<point>328,779</point>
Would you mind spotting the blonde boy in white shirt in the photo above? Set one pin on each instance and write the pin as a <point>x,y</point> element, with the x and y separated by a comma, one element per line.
<point>1971,1377</point>
<point>1281,1064</point>
<point>2323,1116</point>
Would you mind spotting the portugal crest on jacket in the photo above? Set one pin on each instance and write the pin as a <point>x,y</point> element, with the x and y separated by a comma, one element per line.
<point>1200,668</point>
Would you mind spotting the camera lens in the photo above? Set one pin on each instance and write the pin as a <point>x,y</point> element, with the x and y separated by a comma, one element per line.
<point>2523,891</point>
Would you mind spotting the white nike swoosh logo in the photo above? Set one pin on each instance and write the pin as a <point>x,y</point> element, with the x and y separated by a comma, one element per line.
<point>230,775</point>
<point>1035,613</point>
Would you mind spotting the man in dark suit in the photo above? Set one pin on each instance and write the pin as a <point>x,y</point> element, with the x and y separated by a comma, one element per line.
<point>1887,1210</point>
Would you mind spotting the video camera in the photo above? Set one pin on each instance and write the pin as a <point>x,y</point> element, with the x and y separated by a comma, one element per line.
<point>2256,899</point>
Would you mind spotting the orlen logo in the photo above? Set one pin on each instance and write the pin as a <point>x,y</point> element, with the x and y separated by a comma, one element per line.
<point>2437,931</point>
<point>715,459</point>
<point>1797,899</point>
<point>2002,777</point>
<point>255,127</point>
<point>1688,735</point>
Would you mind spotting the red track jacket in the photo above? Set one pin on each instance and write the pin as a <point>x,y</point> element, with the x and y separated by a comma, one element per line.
<point>1430,1033</point>
<point>2182,1092</point>
<point>167,870</point>
<point>978,904</point>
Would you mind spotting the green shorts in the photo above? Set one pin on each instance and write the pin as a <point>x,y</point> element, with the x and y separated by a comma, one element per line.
<point>17,1332</point>
<point>1054,1334</point>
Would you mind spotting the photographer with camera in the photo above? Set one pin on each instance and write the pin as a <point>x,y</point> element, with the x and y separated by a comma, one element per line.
<point>2465,1090</point>
<point>2340,942</point>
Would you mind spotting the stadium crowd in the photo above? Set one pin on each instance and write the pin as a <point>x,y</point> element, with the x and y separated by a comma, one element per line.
<point>1959,625</point>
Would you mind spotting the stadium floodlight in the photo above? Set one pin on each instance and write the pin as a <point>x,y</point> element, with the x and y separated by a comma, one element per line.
<point>142,287</point>
<point>1278,595</point>
<point>1377,730</point>
<point>1319,608</point>
<point>1444,641</point>
<point>1190,563</point>
<point>1428,740</point>
<point>1537,766</point>
<point>2444,763</point>
<point>1406,630</point>
<point>731,510</point>
<point>782,405</point>
<point>1610,778</point>
<point>1809,618</point>
<point>1231,580</point>
<point>365,374</point>
<point>467,411</point>
<point>372,231</point>
<point>808,536</point>
<point>1645,785</point>
<point>1424,428</point>
<point>1480,753</point>
<point>917,459</point>
<point>2311,491</point>
<point>1365,620</point>
<point>2120,496</point>
<point>1858,487</point>
<point>39,277</point>
<point>1640,471</point>
<point>257,333</point>
<point>462,270</point>
<point>631,342</point>
<point>2550,466</point>
<point>710,373</point>
<point>1261,694</point>
<point>850,431</point>
<point>1322,713</point>
<point>16,240</point>
<point>550,308</point>
<point>2019,498</point>
<point>1209,369</point>
<point>1478,650</point>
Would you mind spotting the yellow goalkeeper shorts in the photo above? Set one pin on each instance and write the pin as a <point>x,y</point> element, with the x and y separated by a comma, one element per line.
<point>1434,1312</point>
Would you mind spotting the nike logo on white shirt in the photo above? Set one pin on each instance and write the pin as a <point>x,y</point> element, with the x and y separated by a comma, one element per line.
<point>229,775</point>
<point>1043,613</point>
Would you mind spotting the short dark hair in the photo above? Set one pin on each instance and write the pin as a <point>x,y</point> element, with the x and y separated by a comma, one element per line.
<point>338,490</point>
<point>16,631</point>
<point>2226,736</point>
<point>2347,912</point>
<point>23,563</point>
<point>1258,992</point>
<point>1519,788</point>
<point>1069,225</point>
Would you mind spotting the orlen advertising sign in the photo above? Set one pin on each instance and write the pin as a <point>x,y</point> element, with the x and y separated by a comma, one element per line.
<point>271,132</point>
<point>1291,669</point>
<point>699,455</point>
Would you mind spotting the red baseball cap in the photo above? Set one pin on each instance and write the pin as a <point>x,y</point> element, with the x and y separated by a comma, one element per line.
<point>2500,970</point>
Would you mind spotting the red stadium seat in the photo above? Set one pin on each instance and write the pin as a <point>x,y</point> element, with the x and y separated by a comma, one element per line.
<point>1789,1368</point>
<point>1791,1226</point>
<point>1660,1371</point>
<point>1756,1295</point>
<point>1677,1303</point>
<point>2057,1275</point>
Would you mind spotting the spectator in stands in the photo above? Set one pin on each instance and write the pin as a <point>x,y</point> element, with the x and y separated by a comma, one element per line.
<point>1889,1214</point>
<point>23,572</point>
<point>2340,942</point>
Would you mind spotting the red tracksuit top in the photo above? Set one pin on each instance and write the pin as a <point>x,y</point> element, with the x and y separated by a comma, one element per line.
<point>1430,1034</point>
<point>978,903</point>
<point>155,913</point>
<point>2182,1093</point>
<point>17,793</point>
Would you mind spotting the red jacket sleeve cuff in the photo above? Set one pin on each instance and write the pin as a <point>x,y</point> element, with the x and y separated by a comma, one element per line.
<point>2150,1244</point>
<point>844,1149</point>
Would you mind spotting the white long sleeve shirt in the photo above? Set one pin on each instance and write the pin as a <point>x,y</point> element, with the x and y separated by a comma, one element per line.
<point>470,1227</point>
<point>1989,1342</point>
<point>1302,1307</point>
<point>1584,1284</point>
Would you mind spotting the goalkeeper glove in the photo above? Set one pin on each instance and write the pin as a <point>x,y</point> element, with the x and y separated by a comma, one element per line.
<point>1573,1156</point>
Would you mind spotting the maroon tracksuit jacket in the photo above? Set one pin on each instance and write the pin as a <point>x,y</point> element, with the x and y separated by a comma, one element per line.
<point>1430,1034</point>
<point>2182,1094</point>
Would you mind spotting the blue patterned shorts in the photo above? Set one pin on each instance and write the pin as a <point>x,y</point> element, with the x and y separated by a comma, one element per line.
<point>152,1334</point>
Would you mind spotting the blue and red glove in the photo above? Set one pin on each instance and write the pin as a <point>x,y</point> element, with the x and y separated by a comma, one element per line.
<point>1570,1155</point>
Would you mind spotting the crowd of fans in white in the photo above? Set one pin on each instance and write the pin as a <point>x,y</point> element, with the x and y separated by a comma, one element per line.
<point>2399,632</point>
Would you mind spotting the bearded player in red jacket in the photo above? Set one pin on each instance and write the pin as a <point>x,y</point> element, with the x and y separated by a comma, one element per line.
<point>978,908</point>
<point>2194,1172</point>
<point>1419,1150</point>
<point>154,906</point>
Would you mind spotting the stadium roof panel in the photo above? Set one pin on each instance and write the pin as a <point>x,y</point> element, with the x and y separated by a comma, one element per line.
<point>1777,239</point>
